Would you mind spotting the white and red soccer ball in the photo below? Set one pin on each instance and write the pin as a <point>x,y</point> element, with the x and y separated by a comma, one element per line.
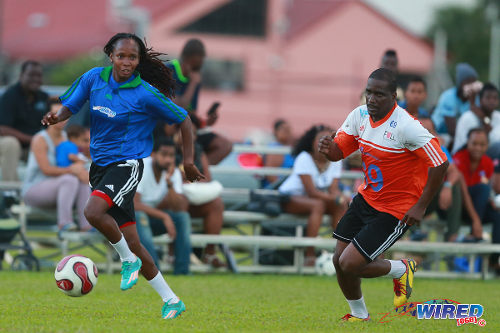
<point>76,275</point>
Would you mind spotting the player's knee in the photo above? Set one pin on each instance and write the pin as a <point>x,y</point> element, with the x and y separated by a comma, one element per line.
<point>335,260</point>
<point>348,266</point>
<point>92,214</point>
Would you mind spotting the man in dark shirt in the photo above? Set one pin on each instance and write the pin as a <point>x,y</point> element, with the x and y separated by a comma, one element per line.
<point>22,107</point>
<point>187,73</point>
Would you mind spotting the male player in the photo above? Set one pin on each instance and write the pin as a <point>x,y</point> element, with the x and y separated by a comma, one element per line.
<point>404,167</point>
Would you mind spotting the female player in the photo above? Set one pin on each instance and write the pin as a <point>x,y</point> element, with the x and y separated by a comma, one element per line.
<point>126,100</point>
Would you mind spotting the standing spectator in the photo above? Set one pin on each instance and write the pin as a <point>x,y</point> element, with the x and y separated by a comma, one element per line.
<point>159,198</point>
<point>390,61</point>
<point>283,138</point>
<point>187,73</point>
<point>453,103</point>
<point>490,118</point>
<point>313,186</point>
<point>48,186</point>
<point>22,107</point>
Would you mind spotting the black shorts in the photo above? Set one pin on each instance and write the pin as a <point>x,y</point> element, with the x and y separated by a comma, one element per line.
<point>370,231</point>
<point>116,183</point>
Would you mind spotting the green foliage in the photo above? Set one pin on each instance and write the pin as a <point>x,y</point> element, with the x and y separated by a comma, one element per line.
<point>63,74</point>
<point>468,31</point>
<point>30,302</point>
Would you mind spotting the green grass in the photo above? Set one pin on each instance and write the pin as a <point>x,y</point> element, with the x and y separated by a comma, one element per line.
<point>30,302</point>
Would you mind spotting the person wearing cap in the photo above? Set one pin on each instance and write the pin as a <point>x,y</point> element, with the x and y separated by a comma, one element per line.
<point>453,103</point>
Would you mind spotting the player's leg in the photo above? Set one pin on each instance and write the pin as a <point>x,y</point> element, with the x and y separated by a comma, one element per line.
<point>349,225</point>
<point>172,306</point>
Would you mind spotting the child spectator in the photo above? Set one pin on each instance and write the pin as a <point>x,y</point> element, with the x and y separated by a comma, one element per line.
<point>415,95</point>
<point>283,137</point>
<point>68,152</point>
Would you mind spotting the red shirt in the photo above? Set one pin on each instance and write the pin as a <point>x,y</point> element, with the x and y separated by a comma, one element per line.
<point>483,172</point>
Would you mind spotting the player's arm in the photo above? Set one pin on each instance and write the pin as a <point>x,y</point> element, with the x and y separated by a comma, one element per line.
<point>191,171</point>
<point>434,181</point>
<point>329,148</point>
<point>52,118</point>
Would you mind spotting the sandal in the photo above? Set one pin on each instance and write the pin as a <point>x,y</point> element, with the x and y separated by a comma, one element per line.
<point>213,260</point>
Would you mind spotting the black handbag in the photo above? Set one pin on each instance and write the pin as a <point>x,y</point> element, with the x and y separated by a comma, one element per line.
<point>267,201</point>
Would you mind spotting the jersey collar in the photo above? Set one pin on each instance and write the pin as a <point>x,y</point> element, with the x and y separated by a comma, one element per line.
<point>178,71</point>
<point>381,121</point>
<point>106,72</point>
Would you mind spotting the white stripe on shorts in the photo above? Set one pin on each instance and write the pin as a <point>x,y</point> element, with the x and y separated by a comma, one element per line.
<point>392,237</point>
<point>131,182</point>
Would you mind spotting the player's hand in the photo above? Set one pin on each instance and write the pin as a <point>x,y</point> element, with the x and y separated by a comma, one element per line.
<point>414,215</point>
<point>192,173</point>
<point>50,118</point>
<point>324,145</point>
<point>169,225</point>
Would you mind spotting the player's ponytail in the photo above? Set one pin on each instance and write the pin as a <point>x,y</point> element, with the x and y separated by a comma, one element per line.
<point>151,67</point>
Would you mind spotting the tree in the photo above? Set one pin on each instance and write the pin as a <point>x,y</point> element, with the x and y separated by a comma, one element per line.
<point>468,31</point>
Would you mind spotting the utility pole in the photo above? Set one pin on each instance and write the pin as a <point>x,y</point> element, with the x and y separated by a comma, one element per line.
<point>493,17</point>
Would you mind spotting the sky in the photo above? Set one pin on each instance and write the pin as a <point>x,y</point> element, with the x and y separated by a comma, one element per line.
<point>414,15</point>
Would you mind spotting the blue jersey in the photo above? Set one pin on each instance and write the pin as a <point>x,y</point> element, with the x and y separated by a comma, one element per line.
<point>122,115</point>
<point>182,84</point>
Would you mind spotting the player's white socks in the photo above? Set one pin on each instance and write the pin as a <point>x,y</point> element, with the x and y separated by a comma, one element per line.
<point>398,268</point>
<point>124,251</point>
<point>163,289</point>
<point>358,308</point>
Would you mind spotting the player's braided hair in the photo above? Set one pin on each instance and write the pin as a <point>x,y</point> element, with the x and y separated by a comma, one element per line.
<point>151,67</point>
<point>306,141</point>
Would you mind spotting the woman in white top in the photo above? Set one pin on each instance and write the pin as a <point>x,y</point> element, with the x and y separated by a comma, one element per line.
<point>313,185</point>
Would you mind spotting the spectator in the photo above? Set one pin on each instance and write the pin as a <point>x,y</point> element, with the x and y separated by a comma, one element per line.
<point>211,209</point>
<point>68,152</point>
<point>158,201</point>
<point>49,186</point>
<point>477,169</point>
<point>313,185</point>
<point>490,118</point>
<point>187,73</point>
<point>390,61</point>
<point>22,108</point>
<point>453,103</point>
<point>283,138</point>
<point>415,95</point>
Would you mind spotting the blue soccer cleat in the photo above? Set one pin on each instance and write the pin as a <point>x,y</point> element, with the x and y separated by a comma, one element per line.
<point>130,273</point>
<point>172,310</point>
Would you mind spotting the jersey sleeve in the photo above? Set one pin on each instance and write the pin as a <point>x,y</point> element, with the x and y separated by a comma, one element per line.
<point>418,140</point>
<point>79,92</point>
<point>162,107</point>
<point>347,134</point>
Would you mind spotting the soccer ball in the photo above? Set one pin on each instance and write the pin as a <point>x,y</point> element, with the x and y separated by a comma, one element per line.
<point>324,264</point>
<point>76,275</point>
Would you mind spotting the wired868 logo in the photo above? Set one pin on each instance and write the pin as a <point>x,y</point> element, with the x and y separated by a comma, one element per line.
<point>439,309</point>
<point>463,313</point>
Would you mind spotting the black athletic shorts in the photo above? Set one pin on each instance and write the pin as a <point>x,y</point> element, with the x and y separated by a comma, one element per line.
<point>370,231</point>
<point>116,183</point>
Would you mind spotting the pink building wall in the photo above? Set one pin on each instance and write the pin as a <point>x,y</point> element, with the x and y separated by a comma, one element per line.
<point>315,76</point>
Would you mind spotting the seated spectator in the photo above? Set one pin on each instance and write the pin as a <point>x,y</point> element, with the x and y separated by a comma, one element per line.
<point>187,73</point>
<point>453,103</point>
<point>313,186</point>
<point>283,138</point>
<point>160,206</point>
<point>212,208</point>
<point>477,169</point>
<point>68,152</point>
<point>22,107</point>
<point>489,119</point>
<point>48,186</point>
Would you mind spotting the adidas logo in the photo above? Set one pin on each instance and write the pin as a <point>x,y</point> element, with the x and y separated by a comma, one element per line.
<point>111,187</point>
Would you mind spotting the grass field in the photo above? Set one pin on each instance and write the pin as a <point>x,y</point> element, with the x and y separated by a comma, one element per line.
<point>30,302</point>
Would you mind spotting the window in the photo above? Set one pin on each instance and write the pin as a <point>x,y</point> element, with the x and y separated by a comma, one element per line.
<point>223,74</point>
<point>238,17</point>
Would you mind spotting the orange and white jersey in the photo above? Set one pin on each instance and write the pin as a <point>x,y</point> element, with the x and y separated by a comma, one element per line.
<point>396,153</point>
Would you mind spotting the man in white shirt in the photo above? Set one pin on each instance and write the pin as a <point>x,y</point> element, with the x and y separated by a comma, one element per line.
<point>160,206</point>
<point>488,102</point>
